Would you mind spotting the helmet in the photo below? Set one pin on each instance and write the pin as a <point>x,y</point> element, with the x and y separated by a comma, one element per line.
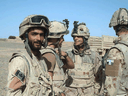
<point>57,29</point>
<point>120,17</point>
<point>34,21</point>
<point>80,30</point>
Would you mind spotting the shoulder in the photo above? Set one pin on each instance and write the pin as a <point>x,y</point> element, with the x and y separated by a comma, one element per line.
<point>49,57</point>
<point>115,53</point>
<point>47,50</point>
<point>17,63</point>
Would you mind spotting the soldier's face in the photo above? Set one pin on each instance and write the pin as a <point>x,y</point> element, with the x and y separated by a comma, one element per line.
<point>78,40</point>
<point>36,38</point>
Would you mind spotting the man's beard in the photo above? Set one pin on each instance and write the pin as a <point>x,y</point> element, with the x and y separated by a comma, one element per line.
<point>33,47</point>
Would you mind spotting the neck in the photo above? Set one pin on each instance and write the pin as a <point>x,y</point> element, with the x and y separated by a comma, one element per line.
<point>80,47</point>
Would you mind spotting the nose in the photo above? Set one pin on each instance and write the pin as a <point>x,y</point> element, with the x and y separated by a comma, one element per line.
<point>75,38</point>
<point>38,37</point>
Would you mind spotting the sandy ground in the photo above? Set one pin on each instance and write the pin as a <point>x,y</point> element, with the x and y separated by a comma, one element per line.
<point>7,47</point>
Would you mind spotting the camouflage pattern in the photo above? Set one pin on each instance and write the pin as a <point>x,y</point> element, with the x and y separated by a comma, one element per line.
<point>116,83</point>
<point>57,29</point>
<point>80,91</point>
<point>80,30</point>
<point>27,23</point>
<point>86,76</point>
<point>120,17</point>
<point>37,80</point>
<point>59,76</point>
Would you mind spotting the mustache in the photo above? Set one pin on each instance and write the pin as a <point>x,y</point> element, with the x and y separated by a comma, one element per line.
<point>78,41</point>
<point>39,42</point>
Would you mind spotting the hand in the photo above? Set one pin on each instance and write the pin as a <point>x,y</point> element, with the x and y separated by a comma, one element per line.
<point>64,54</point>
<point>62,94</point>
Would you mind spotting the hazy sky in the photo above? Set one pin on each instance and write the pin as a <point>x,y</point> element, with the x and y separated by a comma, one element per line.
<point>95,13</point>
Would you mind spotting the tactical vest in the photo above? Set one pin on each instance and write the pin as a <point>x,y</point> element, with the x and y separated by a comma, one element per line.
<point>123,47</point>
<point>83,73</point>
<point>38,81</point>
<point>59,76</point>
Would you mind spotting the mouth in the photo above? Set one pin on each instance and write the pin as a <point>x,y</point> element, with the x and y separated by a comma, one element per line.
<point>37,43</point>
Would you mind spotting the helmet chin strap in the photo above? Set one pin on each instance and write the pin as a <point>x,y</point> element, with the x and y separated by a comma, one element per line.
<point>45,42</point>
<point>27,45</point>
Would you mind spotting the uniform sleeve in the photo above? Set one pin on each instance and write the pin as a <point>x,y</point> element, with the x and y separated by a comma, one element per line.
<point>98,75</point>
<point>50,61</point>
<point>15,84</point>
<point>113,71</point>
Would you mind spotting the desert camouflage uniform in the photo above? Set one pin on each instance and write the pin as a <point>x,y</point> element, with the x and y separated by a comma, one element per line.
<point>116,83</point>
<point>28,76</point>
<point>85,78</point>
<point>59,76</point>
<point>32,73</point>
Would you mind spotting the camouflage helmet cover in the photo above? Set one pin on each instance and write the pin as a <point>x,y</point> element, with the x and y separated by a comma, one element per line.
<point>57,29</point>
<point>28,23</point>
<point>80,30</point>
<point>120,17</point>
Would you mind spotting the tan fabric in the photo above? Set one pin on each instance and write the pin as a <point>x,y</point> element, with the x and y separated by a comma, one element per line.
<point>86,74</point>
<point>112,82</point>
<point>112,70</point>
<point>37,80</point>
<point>58,72</point>
<point>80,91</point>
<point>50,61</point>
<point>17,63</point>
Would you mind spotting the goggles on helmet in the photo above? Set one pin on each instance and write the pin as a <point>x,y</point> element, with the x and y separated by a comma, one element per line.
<point>36,20</point>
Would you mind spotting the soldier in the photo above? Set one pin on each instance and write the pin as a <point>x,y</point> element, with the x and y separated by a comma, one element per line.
<point>57,61</point>
<point>28,74</point>
<point>84,79</point>
<point>116,62</point>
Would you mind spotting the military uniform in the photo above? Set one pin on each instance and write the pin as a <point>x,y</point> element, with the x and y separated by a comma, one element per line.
<point>84,79</point>
<point>56,66</point>
<point>31,72</point>
<point>115,60</point>
<point>116,83</point>
<point>28,75</point>
<point>59,76</point>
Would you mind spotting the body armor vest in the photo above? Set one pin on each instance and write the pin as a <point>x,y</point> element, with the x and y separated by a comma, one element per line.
<point>83,73</point>
<point>123,47</point>
<point>38,81</point>
<point>59,76</point>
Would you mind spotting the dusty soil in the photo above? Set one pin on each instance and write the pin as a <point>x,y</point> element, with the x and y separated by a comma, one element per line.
<point>7,47</point>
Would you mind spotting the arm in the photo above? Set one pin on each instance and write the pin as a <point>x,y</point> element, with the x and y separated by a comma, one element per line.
<point>98,75</point>
<point>114,72</point>
<point>68,63</point>
<point>50,60</point>
<point>15,83</point>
